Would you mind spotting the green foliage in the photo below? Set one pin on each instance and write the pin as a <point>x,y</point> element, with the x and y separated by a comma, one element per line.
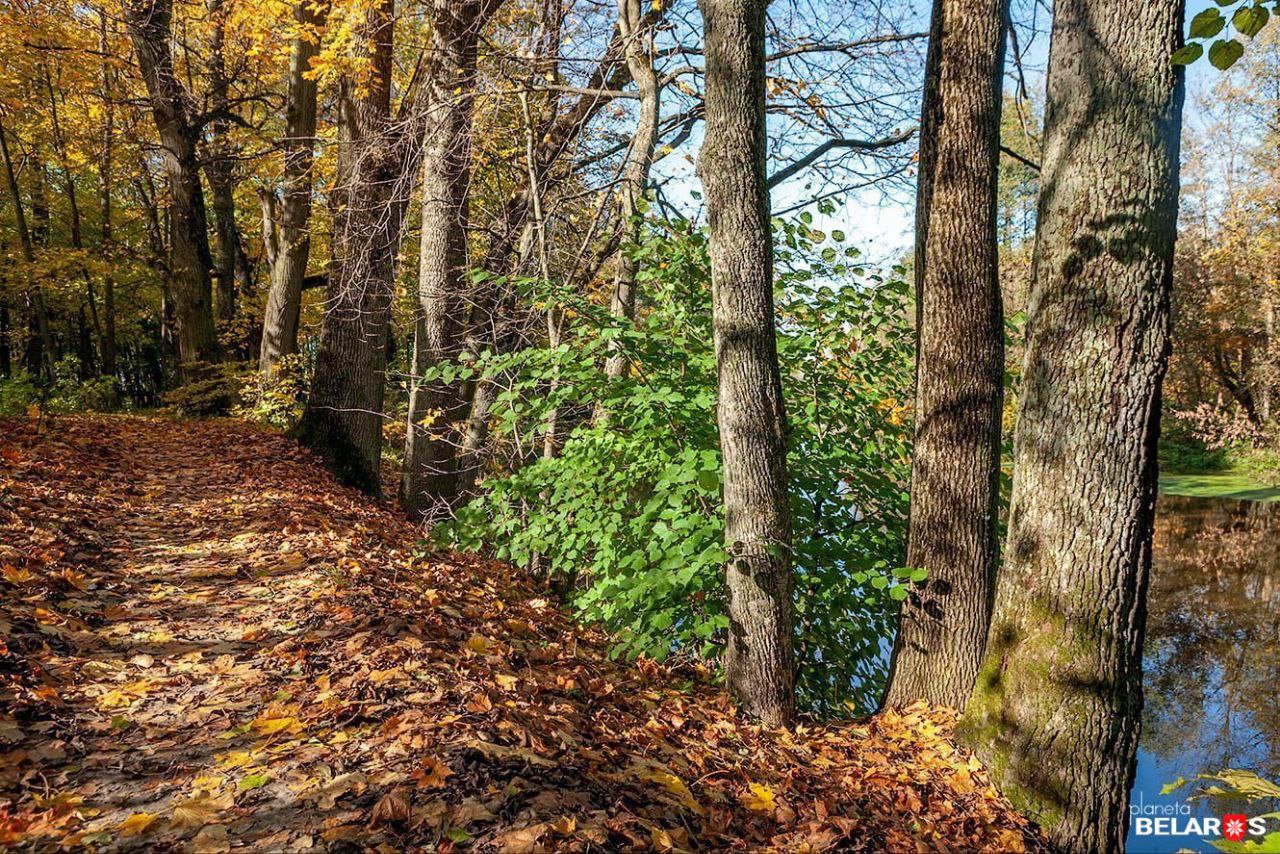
<point>213,391</point>
<point>1248,19</point>
<point>277,398</point>
<point>1191,456</point>
<point>628,514</point>
<point>68,393</point>
<point>18,394</point>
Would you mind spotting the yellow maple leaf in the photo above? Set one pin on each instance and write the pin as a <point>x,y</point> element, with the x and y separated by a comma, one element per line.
<point>674,785</point>
<point>275,723</point>
<point>135,824</point>
<point>759,798</point>
<point>16,576</point>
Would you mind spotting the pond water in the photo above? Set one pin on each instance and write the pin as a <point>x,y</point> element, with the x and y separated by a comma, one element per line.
<point>1212,662</point>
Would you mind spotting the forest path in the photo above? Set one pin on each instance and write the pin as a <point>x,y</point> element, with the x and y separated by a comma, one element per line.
<point>188,553</point>
<point>206,644</point>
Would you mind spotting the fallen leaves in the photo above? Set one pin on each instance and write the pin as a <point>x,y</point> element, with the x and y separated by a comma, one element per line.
<point>672,784</point>
<point>135,824</point>
<point>759,798</point>
<point>200,809</point>
<point>213,839</point>
<point>279,671</point>
<point>431,773</point>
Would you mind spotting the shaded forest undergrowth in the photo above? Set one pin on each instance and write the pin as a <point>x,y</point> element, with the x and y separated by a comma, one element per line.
<point>207,644</point>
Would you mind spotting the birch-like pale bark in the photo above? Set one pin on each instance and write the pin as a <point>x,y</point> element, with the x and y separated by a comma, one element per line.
<point>289,234</point>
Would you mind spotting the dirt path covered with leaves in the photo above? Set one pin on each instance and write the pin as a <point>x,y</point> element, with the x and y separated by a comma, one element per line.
<point>207,645</point>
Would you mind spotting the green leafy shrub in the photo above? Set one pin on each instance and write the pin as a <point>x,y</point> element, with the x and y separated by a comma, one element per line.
<point>213,390</point>
<point>1191,456</point>
<point>66,394</point>
<point>18,394</point>
<point>628,515</point>
<point>277,398</point>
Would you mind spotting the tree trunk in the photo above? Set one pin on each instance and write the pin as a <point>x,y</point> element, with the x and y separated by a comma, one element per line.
<point>172,107</point>
<point>438,410</point>
<point>41,361</point>
<point>955,480</point>
<point>291,240</point>
<point>343,417</point>
<point>1056,710</point>
<point>64,161</point>
<point>759,660</point>
<point>106,178</point>
<point>635,29</point>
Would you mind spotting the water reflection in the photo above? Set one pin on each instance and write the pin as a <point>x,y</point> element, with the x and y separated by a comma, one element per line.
<point>1212,663</point>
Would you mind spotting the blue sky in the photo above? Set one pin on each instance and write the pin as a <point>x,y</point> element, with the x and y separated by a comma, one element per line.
<point>883,226</point>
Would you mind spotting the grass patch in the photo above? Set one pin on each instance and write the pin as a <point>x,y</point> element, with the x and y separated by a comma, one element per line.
<point>1218,485</point>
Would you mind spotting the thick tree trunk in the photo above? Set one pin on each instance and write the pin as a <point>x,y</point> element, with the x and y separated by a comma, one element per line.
<point>171,106</point>
<point>343,417</point>
<point>635,29</point>
<point>291,238</point>
<point>955,481</point>
<point>1056,709</point>
<point>438,410</point>
<point>40,345</point>
<point>759,661</point>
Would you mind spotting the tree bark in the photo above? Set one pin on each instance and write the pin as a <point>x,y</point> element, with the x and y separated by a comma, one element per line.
<point>759,660</point>
<point>172,109</point>
<point>106,178</point>
<point>635,29</point>
<point>37,362</point>
<point>291,238</point>
<point>343,416</point>
<point>955,481</point>
<point>231,273</point>
<point>438,410</point>
<point>1055,713</point>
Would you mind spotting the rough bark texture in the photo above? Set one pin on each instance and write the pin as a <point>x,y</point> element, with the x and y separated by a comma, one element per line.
<point>343,418</point>
<point>106,178</point>
<point>171,107</point>
<point>955,478</point>
<point>636,30</point>
<point>290,236</point>
<point>759,661</point>
<point>1056,710</point>
<point>232,274</point>
<point>438,410</point>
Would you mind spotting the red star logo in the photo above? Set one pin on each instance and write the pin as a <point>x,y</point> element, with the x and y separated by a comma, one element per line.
<point>1234,826</point>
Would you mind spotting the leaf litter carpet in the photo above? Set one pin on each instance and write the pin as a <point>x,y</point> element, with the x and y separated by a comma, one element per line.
<point>208,645</point>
